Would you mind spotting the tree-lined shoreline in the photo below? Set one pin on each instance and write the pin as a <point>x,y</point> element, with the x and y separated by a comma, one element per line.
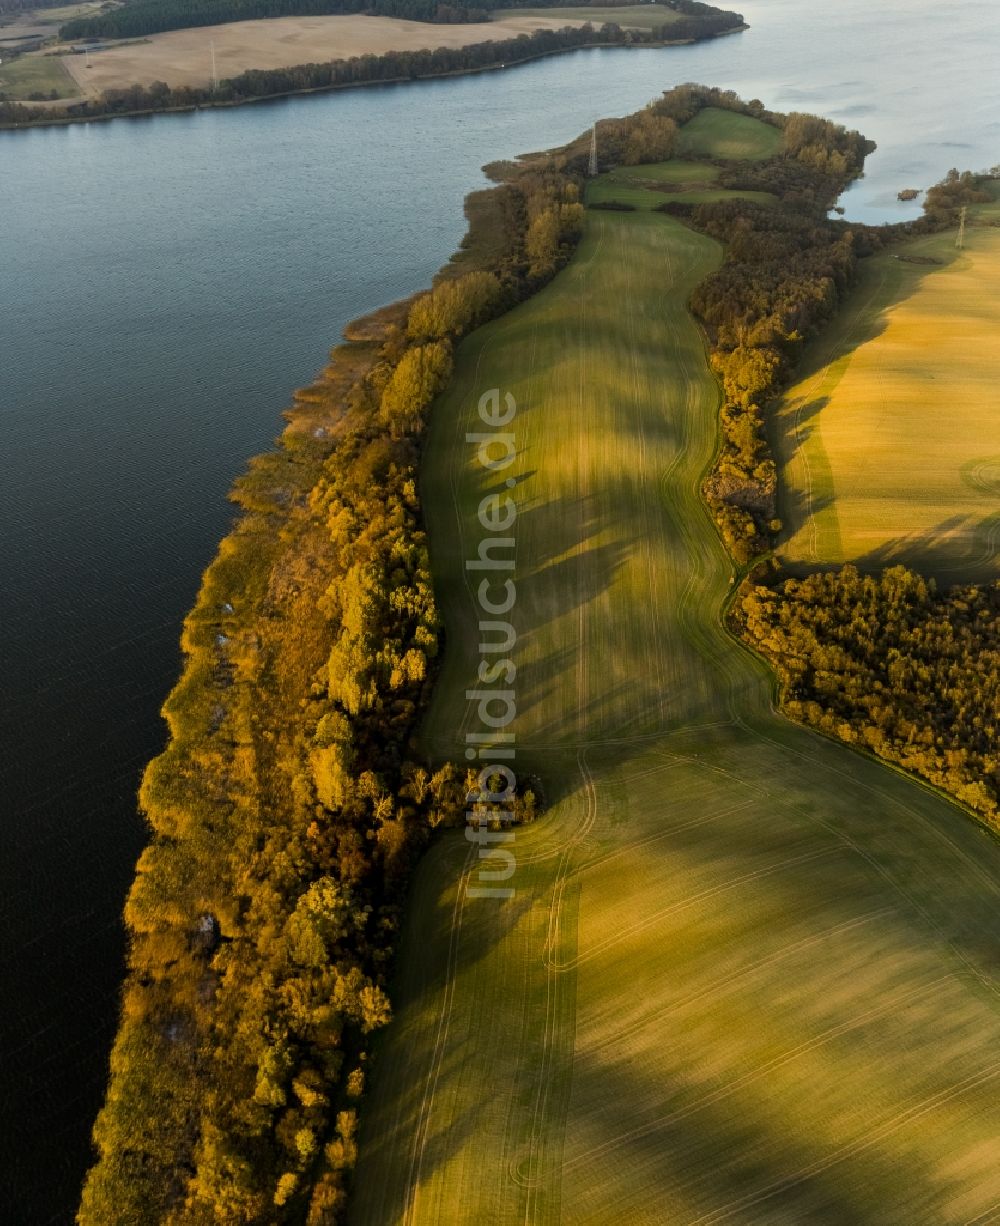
<point>259,85</point>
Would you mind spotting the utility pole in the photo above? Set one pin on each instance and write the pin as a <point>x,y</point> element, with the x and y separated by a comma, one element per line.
<point>592,170</point>
<point>960,241</point>
<point>215,75</point>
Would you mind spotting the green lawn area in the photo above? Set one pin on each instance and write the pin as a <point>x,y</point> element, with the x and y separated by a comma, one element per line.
<point>646,186</point>
<point>890,442</point>
<point>637,16</point>
<point>746,976</point>
<point>609,188</point>
<point>674,171</point>
<point>603,189</point>
<point>30,74</point>
<point>716,133</point>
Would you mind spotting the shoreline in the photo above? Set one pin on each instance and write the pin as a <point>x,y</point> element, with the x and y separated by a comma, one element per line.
<point>59,121</point>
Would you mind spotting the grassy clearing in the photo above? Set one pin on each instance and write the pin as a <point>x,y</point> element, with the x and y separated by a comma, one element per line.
<point>608,188</point>
<point>645,187</point>
<point>674,171</point>
<point>715,133</point>
<point>36,74</point>
<point>746,976</point>
<point>890,443</point>
<point>634,16</point>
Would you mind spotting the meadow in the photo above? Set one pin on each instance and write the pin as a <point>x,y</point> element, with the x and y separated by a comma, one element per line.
<point>746,976</point>
<point>36,74</point>
<point>647,193</point>
<point>680,180</point>
<point>889,445</point>
<point>718,133</point>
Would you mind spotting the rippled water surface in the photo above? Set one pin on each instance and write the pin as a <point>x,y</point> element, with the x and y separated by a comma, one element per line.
<point>164,284</point>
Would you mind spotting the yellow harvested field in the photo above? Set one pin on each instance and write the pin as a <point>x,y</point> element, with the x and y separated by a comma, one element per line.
<point>184,57</point>
<point>890,445</point>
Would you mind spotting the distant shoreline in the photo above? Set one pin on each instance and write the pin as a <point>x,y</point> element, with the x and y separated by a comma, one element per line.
<point>632,39</point>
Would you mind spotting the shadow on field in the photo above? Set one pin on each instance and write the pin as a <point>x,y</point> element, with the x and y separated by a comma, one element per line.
<point>791,1097</point>
<point>960,549</point>
<point>727,1163</point>
<point>573,567</point>
<point>863,316</point>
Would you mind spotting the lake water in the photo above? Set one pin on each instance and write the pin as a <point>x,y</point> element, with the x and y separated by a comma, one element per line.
<point>164,284</point>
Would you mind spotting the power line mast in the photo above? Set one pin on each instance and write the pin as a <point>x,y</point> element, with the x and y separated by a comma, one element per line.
<point>215,75</point>
<point>960,241</point>
<point>592,170</point>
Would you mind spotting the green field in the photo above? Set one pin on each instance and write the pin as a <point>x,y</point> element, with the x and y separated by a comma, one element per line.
<point>31,74</point>
<point>675,171</point>
<point>608,188</point>
<point>636,16</point>
<point>715,133</point>
<point>648,185</point>
<point>746,976</point>
<point>890,443</point>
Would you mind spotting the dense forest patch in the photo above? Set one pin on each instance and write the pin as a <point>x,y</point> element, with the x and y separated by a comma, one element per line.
<point>891,665</point>
<point>136,18</point>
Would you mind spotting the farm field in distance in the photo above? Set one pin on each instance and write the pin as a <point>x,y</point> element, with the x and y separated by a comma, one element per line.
<point>30,22</point>
<point>601,1047</point>
<point>184,57</point>
<point>36,74</point>
<point>885,442</point>
<point>630,16</point>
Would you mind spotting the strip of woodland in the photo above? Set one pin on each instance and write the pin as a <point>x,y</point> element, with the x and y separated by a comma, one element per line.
<point>785,268</point>
<point>137,18</point>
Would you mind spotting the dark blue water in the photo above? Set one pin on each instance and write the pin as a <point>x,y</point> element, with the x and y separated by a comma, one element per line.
<point>164,284</point>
